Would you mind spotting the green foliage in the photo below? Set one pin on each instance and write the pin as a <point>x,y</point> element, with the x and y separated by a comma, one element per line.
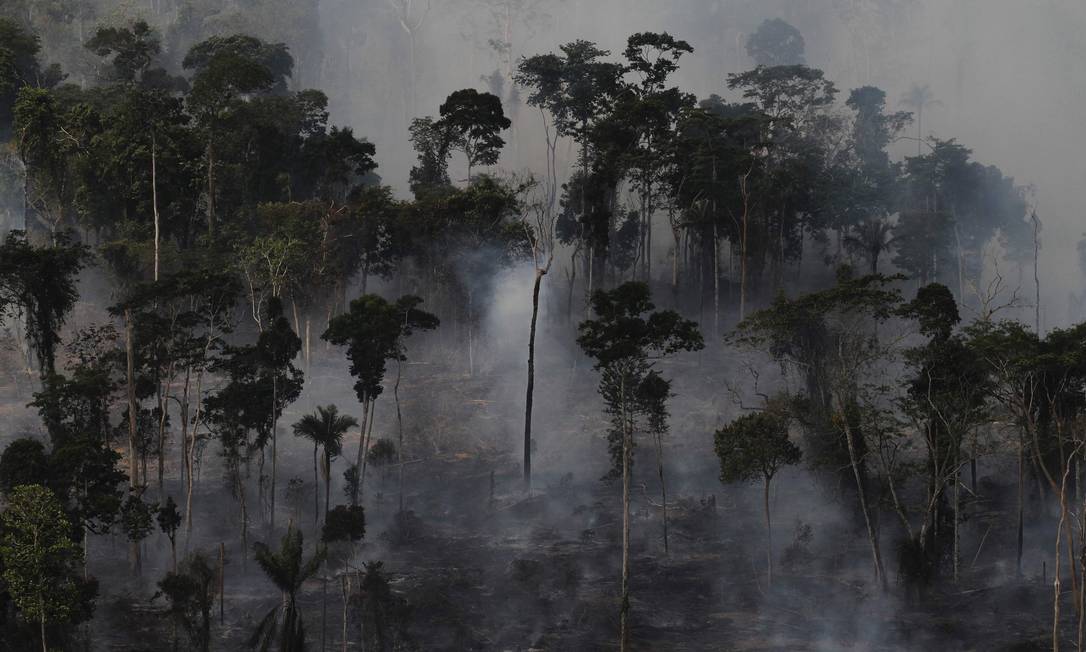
<point>39,556</point>
<point>283,628</point>
<point>475,119</point>
<point>374,330</point>
<point>137,518</point>
<point>168,518</point>
<point>191,593</point>
<point>41,283</point>
<point>23,462</point>
<point>133,49</point>
<point>344,523</point>
<point>754,446</point>
<point>626,335</point>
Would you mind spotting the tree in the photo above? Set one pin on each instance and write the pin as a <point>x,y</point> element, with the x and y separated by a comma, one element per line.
<point>282,628</point>
<point>476,119</point>
<point>829,339</point>
<point>226,69</point>
<point>624,338</point>
<point>776,43</point>
<point>42,283</point>
<point>190,591</point>
<point>325,428</point>
<point>133,49</point>
<point>137,522</point>
<point>169,519</point>
<point>756,445</point>
<point>39,557</point>
<point>374,331</point>
<point>19,67</point>
<point>23,462</point>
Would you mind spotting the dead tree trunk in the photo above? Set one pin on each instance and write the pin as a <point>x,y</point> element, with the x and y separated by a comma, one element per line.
<point>539,273</point>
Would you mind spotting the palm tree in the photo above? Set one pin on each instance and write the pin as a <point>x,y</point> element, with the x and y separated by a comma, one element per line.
<point>325,428</point>
<point>870,239</point>
<point>283,628</point>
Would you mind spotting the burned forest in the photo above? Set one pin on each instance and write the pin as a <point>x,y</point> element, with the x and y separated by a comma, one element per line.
<point>410,325</point>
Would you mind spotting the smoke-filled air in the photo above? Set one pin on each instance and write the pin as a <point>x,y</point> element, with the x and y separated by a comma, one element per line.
<point>542,325</point>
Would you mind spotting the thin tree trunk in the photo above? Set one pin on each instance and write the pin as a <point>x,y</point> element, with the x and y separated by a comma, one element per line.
<point>366,448</point>
<point>663,485</point>
<point>1021,506</point>
<point>346,589</point>
<point>222,583</point>
<point>316,488</point>
<point>957,515</point>
<point>130,373</point>
<point>327,483</point>
<point>275,444</point>
<point>627,445</point>
<point>716,282</point>
<point>361,449</point>
<point>531,383</point>
<point>154,197</point>
<point>768,536</point>
<point>872,536</point>
<point>399,424</point>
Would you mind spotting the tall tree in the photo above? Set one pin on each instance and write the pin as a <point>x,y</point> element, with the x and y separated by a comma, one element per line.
<point>476,119</point>
<point>325,428</point>
<point>756,446</point>
<point>374,331</point>
<point>627,335</point>
<point>39,557</point>
<point>41,283</point>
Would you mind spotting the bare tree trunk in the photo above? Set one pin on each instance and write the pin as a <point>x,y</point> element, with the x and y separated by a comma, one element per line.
<point>154,197</point>
<point>275,445</point>
<point>957,515</point>
<point>1056,569</point>
<point>133,460</point>
<point>768,535</point>
<point>399,424</point>
<point>210,190</point>
<point>366,448</point>
<point>531,383</point>
<point>1021,504</point>
<point>346,589</point>
<point>854,462</point>
<point>716,282</point>
<point>222,583</point>
<point>130,373</point>
<point>663,485</point>
<point>327,465</point>
<point>316,488</point>
<point>627,452</point>
<point>361,448</point>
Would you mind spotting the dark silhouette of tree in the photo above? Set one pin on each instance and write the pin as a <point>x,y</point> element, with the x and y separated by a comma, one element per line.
<point>169,519</point>
<point>776,43</point>
<point>374,331</point>
<point>190,592</point>
<point>476,119</point>
<point>627,334</point>
<point>756,446</point>
<point>282,628</point>
<point>325,428</point>
<point>40,283</point>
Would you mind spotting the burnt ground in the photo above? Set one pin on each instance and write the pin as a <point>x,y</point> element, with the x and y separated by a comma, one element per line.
<point>477,568</point>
